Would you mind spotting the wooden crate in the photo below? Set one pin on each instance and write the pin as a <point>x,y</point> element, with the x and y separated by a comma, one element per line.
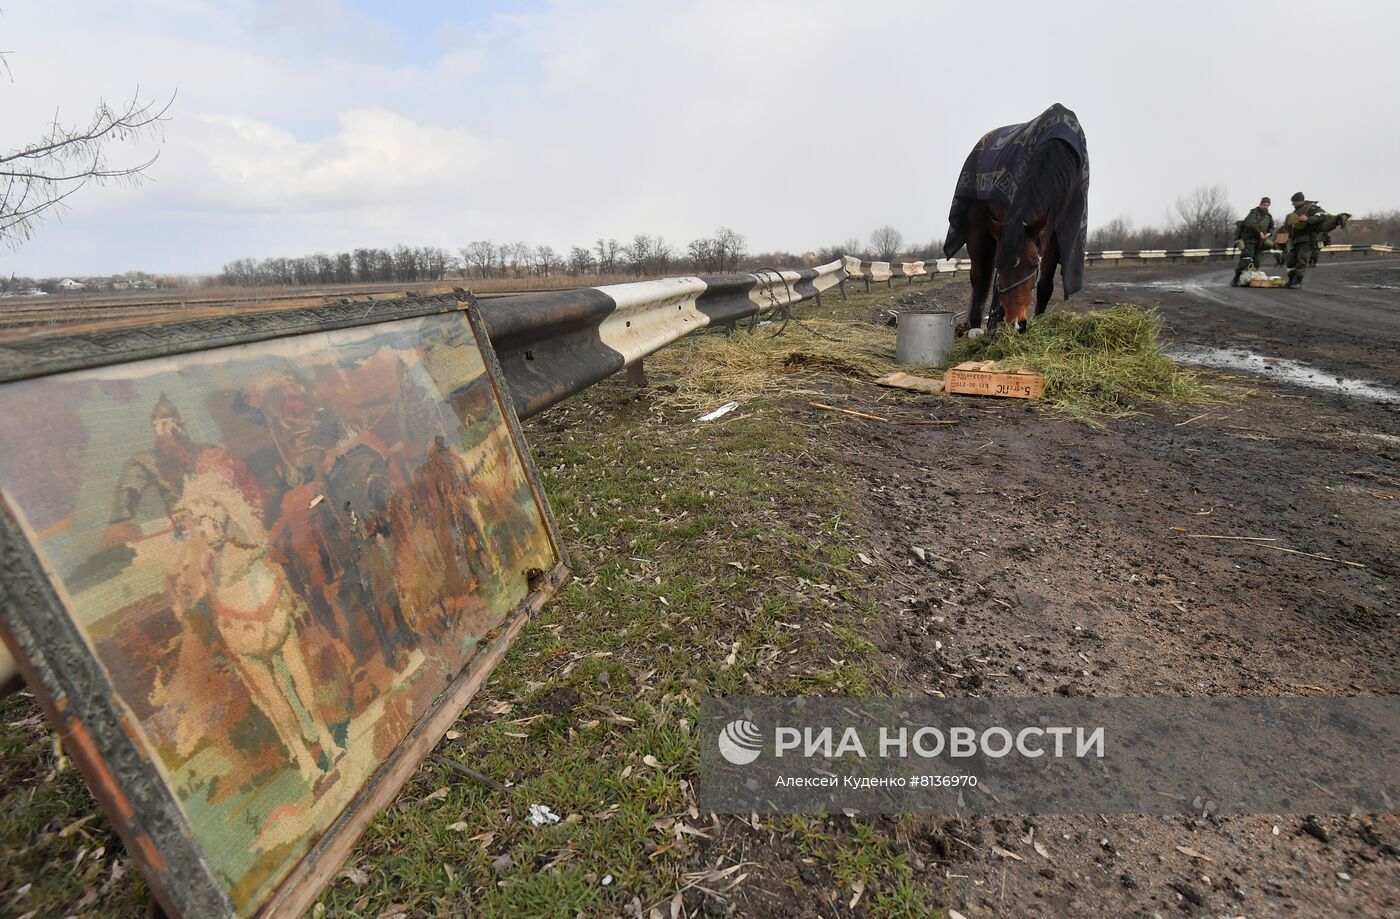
<point>973,378</point>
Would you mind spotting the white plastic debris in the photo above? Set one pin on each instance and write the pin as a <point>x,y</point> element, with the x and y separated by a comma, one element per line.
<point>541,815</point>
<point>720,412</point>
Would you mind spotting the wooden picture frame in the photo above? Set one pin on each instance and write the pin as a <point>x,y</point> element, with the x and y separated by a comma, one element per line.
<point>333,516</point>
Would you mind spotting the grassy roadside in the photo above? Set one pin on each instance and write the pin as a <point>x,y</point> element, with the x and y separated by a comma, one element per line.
<point>710,558</point>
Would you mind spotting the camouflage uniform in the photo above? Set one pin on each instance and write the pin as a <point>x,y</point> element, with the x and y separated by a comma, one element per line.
<point>1305,239</point>
<point>1255,230</point>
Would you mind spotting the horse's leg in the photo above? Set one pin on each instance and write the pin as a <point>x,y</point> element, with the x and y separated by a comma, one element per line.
<point>262,685</point>
<point>998,314</point>
<point>981,249</point>
<point>981,283</point>
<point>1049,260</point>
<point>305,688</point>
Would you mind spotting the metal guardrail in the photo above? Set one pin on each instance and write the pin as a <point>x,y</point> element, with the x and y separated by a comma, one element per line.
<point>864,270</point>
<point>552,345</point>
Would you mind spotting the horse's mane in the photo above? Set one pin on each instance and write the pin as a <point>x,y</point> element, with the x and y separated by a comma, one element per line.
<point>1049,178</point>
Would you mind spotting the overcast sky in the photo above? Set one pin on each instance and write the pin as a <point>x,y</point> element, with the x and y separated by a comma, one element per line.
<point>328,124</point>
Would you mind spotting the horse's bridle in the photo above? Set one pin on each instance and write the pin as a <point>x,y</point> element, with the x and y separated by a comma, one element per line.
<point>1034,273</point>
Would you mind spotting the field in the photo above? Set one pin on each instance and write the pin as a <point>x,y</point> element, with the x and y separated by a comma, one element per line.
<point>770,553</point>
<point>108,309</point>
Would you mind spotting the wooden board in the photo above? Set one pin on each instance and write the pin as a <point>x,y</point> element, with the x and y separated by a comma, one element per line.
<point>1267,282</point>
<point>901,380</point>
<point>974,378</point>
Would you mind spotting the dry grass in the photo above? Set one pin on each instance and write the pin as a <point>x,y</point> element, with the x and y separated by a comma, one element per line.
<point>707,371</point>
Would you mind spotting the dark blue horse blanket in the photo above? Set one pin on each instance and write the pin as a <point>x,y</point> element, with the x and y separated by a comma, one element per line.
<point>995,171</point>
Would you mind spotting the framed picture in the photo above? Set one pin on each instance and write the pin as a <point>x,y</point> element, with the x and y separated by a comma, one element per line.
<point>253,568</point>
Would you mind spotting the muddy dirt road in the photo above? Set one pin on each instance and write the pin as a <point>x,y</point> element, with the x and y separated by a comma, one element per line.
<point>1346,318</point>
<point>1060,563</point>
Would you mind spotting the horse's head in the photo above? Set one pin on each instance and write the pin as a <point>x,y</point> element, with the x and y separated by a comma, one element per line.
<point>1019,247</point>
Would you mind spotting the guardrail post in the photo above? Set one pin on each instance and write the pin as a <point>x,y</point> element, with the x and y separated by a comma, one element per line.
<point>841,284</point>
<point>637,374</point>
<point>867,285</point>
<point>819,299</point>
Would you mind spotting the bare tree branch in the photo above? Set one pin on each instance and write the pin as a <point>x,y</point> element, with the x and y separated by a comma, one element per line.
<point>43,175</point>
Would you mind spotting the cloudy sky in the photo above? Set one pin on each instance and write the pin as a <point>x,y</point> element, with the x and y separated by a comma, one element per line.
<point>312,125</point>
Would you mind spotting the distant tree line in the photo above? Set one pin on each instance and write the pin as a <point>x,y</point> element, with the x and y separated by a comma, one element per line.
<point>886,244</point>
<point>643,256</point>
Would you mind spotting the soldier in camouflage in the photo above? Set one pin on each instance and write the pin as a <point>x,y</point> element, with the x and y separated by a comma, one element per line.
<point>1307,226</point>
<point>1255,231</point>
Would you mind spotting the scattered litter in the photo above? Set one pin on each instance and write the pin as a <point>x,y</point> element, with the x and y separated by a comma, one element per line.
<point>355,876</point>
<point>1192,853</point>
<point>73,827</point>
<point>1042,851</point>
<point>469,772</point>
<point>720,412</point>
<point>1006,853</point>
<point>541,815</point>
<point>855,414</point>
<point>1325,558</point>
<point>901,380</point>
<point>607,880</point>
<point>858,890</point>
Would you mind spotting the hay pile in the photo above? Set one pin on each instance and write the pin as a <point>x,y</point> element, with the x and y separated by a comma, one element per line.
<point>1100,363</point>
<point>1096,365</point>
<point>705,371</point>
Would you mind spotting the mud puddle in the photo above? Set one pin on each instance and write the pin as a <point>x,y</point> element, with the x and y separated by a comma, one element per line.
<point>1283,370</point>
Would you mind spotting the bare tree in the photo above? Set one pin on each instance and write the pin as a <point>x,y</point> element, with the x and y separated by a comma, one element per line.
<point>580,260</point>
<point>701,253</point>
<point>480,255</point>
<point>638,253</point>
<point>1204,217</point>
<point>661,255</point>
<point>885,243</point>
<point>545,260</point>
<point>1116,234</point>
<point>730,249</point>
<point>608,251</point>
<point>41,176</point>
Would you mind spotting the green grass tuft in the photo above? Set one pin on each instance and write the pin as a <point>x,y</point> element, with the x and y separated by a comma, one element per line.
<point>1097,364</point>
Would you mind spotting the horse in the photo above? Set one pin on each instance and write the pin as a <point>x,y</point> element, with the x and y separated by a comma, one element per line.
<point>1021,209</point>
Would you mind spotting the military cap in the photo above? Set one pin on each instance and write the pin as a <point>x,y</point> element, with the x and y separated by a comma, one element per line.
<point>1265,200</point>
<point>1299,196</point>
<point>164,408</point>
